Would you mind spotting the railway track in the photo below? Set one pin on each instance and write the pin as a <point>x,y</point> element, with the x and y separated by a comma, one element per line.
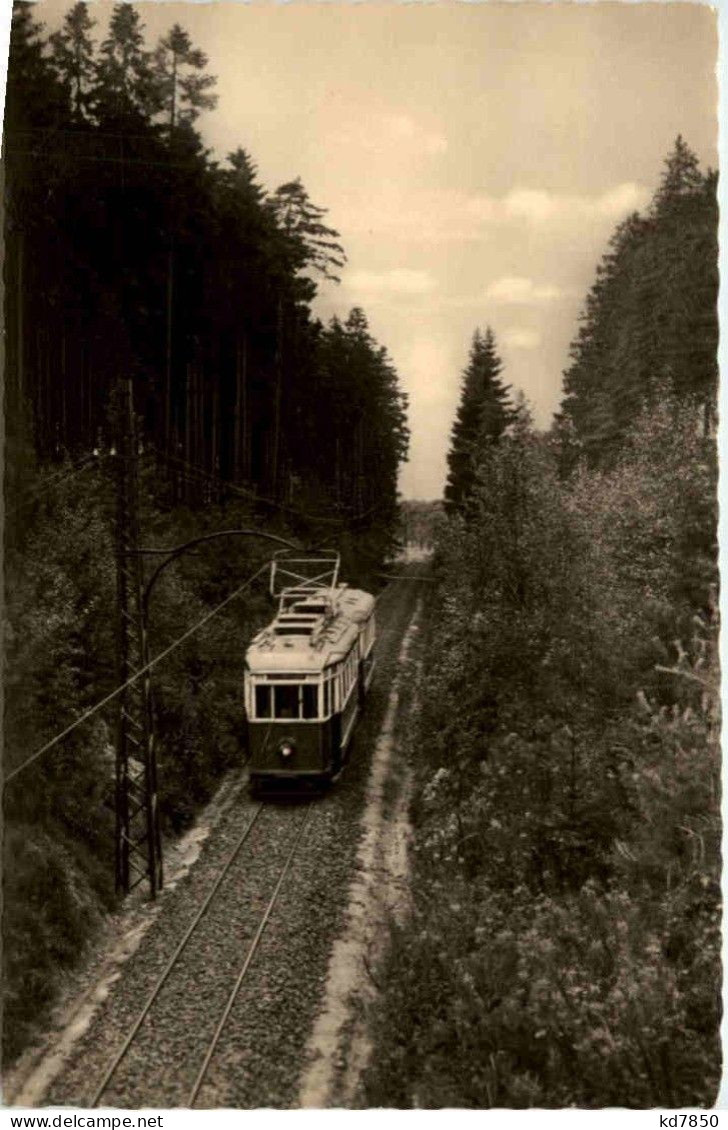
<point>215,1009</point>
<point>146,1034</point>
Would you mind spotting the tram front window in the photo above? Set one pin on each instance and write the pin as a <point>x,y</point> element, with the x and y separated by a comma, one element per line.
<point>309,701</point>
<point>287,702</point>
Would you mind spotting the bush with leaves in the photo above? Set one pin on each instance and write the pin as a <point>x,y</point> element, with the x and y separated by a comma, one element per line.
<point>564,945</point>
<point>60,661</point>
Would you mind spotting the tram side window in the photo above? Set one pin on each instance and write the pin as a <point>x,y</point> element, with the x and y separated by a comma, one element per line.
<point>263,703</point>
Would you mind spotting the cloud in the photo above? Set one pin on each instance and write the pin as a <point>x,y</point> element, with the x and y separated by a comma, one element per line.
<point>446,215</point>
<point>516,290</point>
<point>539,206</point>
<point>401,127</point>
<point>532,204</point>
<point>391,137</point>
<point>519,338</point>
<point>399,280</point>
<point>623,199</point>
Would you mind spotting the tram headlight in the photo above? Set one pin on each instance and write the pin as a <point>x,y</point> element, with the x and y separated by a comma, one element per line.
<point>286,749</point>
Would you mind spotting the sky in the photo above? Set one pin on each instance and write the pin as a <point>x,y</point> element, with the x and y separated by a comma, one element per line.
<point>474,157</point>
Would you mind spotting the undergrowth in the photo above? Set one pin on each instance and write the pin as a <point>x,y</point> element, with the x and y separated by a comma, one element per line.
<point>60,660</point>
<point>564,943</point>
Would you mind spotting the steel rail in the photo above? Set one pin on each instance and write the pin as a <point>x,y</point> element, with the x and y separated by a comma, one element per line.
<point>111,1070</point>
<point>387,587</point>
<point>246,964</point>
<point>244,968</point>
<point>255,943</point>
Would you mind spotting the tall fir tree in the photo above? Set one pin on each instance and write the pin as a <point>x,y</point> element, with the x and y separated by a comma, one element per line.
<point>307,243</point>
<point>185,88</point>
<point>34,96</point>
<point>483,415</point>
<point>73,57</point>
<point>650,320</point>
<point>126,91</point>
<point>210,274</point>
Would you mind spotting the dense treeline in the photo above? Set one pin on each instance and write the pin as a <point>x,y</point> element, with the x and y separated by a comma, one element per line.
<point>420,523</point>
<point>130,249</point>
<point>563,946</point>
<point>650,322</point>
<point>58,877</point>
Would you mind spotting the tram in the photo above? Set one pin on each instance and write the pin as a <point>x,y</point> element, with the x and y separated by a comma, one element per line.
<point>307,673</point>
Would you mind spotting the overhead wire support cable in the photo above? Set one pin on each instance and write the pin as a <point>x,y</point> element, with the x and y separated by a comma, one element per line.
<point>133,161</point>
<point>137,675</point>
<point>253,497</point>
<point>34,494</point>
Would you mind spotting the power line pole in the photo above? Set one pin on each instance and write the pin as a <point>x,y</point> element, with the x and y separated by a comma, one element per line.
<point>138,839</point>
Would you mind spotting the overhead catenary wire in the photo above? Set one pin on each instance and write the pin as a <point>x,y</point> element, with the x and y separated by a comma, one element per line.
<point>243,492</point>
<point>404,577</point>
<point>137,675</point>
<point>34,494</point>
<point>125,161</point>
<point>252,496</point>
<point>34,757</point>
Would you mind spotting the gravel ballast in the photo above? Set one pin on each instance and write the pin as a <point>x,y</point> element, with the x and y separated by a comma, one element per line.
<point>258,1060</point>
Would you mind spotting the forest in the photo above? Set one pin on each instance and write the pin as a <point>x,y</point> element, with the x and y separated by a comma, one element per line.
<point>563,944</point>
<point>132,251</point>
<point>420,522</point>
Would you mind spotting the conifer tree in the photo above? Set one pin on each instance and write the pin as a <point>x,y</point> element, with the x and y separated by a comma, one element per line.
<point>483,415</point>
<point>650,321</point>
<point>242,177</point>
<point>34,97</point>
<point>73,56</point>
<point>125,85</point>
<point>310,243</point>
<point>185,89</point>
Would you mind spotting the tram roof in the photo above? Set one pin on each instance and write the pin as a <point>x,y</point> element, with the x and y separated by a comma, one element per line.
<point>302,644</point>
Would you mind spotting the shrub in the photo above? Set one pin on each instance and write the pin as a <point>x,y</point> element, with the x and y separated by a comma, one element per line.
<point>564,948</point>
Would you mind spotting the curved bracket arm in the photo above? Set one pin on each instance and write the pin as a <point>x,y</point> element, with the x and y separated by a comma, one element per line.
<point>179,550</point>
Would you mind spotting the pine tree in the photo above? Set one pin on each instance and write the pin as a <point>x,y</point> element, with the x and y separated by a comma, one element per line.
<point>242,178</point>
<point>34,97</point>
<point>483,415</point>
<point>185,90</point>
<point>310,243</point>
<point>73,56</point>
<point>685,214</point>
<point>125,87</point>
<point>650,321</point>
<point>210,276</point>
<point>682,176</point>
